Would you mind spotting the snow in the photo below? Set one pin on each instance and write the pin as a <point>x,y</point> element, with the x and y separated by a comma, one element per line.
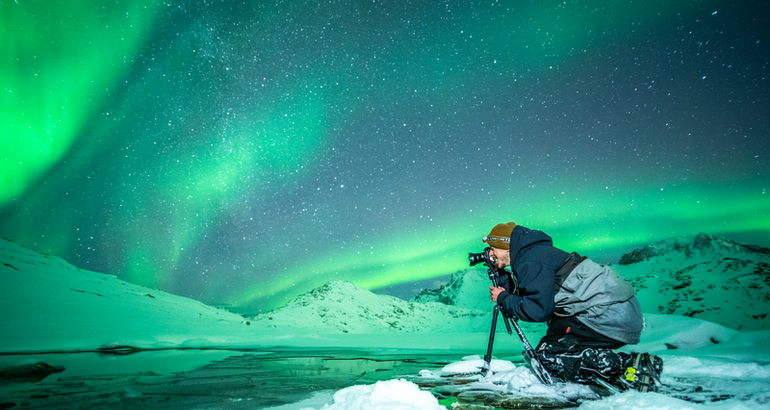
<point>45,296</point>
<point>748,382</point>
<point>385,395</point>
<point>707,277</point>
<point>366,312</point>
<point>472,364</point>
<point>663,331</point>
<point>461,291</point>
<point>51,306</point>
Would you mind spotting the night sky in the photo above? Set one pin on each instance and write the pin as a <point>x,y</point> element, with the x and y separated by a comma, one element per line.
<point>241,153</point>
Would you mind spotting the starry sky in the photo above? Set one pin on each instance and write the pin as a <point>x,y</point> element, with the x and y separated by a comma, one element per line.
<point>241,153</point>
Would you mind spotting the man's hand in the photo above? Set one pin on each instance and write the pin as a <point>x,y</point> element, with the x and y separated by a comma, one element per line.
<point>494,292</point>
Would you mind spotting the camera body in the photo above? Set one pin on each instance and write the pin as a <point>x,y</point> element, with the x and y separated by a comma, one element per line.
<point>488,259</point>
<point>484,257</point>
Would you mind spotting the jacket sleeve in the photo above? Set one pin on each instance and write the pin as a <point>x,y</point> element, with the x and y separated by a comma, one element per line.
<point>534,301</point>
<point>504,280</point>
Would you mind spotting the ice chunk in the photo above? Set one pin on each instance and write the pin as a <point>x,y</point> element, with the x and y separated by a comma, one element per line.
<point>475,366</point>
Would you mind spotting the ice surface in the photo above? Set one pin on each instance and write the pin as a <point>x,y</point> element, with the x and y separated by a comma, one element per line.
<point>473,365</point>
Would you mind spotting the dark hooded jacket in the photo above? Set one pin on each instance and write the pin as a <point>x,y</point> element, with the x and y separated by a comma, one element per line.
<point>590,292</point>
<point>534,261</point>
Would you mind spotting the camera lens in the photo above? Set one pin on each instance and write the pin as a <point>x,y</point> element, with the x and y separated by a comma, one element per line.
<point>483,257</point>
<point>476,258</point>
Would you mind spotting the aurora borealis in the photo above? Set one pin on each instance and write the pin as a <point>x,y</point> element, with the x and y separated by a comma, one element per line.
<point>241,153</point>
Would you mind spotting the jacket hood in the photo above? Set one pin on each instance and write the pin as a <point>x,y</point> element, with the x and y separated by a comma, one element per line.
<point>524,238</point>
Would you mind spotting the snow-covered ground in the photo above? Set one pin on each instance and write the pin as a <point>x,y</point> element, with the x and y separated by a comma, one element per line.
<point>50,305</point>
<point>714,368</point>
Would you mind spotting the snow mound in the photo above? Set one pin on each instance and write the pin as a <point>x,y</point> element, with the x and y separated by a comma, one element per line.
<point>663,332</point>
<point>384,395</point>
<point>504,386</point>
<point>691,366</point>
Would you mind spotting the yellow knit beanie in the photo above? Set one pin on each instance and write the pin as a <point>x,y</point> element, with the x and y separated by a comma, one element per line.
<point>500,237</point>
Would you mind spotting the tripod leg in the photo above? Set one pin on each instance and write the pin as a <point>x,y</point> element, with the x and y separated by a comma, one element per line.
<point>488,356</point>
<point>531,357</point>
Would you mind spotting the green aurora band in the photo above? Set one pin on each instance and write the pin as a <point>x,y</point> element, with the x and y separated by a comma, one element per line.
<point>136,138</point>
<point>60,61</point>
<point>609,226</point>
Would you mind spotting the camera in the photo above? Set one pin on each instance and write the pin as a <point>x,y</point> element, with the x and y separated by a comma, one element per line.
<point>483,257</point>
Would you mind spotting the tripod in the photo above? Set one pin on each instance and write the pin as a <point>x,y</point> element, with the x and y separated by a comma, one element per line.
<point>529,352</point>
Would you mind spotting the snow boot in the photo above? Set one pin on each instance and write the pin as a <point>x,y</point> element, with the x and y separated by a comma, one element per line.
<point>643,374</point>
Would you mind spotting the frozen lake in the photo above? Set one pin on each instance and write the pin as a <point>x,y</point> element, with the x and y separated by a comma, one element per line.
<point>226,379</point>
<point>303,378</point>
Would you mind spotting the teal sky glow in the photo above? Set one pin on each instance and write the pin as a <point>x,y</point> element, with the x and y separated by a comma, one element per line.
<point>241,153</point>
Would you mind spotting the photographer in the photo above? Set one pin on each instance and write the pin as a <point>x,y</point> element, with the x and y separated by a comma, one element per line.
<point>590,310</point>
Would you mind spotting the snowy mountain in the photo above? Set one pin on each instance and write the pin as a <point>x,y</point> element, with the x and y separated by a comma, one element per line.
<point>343,307</point>
<point>708,277</point>
<point>466,289</point>
<point>49,304</point>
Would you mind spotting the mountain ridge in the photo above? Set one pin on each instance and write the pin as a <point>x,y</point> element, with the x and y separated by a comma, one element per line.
<point>707,277</point>
<point>701,243</point>
<point>342,307</point>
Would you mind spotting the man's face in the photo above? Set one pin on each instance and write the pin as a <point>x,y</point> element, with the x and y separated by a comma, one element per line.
<point>502,257</point>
